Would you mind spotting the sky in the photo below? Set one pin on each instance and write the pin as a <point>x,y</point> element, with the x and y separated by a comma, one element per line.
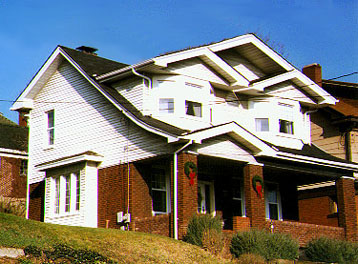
<point>129,31</point>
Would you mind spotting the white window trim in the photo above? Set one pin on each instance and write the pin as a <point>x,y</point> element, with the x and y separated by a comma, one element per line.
<point>167,190</point>
<point>166,111</point>
<point>279,207</point>
<point>73,195</point>
<point>212,195</point>
<point>47,144</point>
<point>193,116</point>
<point>242,196</point>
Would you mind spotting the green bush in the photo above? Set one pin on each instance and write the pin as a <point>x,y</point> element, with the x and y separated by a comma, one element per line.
<point>213,241</point>
<point>269,246</point>
<point>200,223</point>
<point>33,251</point>
<point>331,250</point>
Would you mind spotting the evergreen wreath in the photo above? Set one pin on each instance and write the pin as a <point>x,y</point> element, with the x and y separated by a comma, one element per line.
<point>190,165</point>
<point>256,179</point>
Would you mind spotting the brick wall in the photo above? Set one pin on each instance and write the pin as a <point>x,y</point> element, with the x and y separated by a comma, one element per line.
<point>255,206</point>
<point>240,223</point>
<point>305,232</point>
<point>11,183</point>
<point>111,195</point>
<point>317,211</point>
<point>187,194</point>
<point>159,225</point>
<point>37,201</point>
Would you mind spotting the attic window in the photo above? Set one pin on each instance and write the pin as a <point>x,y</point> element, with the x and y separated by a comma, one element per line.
<point>193,108</point>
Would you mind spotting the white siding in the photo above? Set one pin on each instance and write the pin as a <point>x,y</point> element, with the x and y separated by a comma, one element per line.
<point>132,89</point>
<point>84,121</point>
<point>286,90</point>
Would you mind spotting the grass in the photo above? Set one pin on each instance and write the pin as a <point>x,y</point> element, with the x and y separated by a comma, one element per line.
<point>121,246</point>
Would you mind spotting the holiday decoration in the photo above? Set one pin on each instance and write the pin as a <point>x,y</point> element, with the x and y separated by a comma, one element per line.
<point>258,185</point>
<point>190,170</point>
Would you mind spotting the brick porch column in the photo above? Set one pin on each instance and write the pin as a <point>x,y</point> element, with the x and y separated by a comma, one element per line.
<point>187,194</point>
<point>347,215</point>
<point>255,206</point>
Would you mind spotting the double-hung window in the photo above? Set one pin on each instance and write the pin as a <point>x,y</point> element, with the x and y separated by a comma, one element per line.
<point>50,127</point>
<point>66,193</point>
<point>238,197</point>
<point>166,105</point>
<point>286,121</point>
<point>273,201</point>
<point>193,108</point>
<point>262,124</point>
<point>159,191</point>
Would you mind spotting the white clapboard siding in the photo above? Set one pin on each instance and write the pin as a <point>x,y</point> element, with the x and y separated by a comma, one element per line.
<point>197,69</point>
<point>132,90</point>
<point>84,120</point>
<point>224,147</point>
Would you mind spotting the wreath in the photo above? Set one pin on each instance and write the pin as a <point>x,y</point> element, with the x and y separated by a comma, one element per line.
<point>258,189</point>
<point>190,171</point>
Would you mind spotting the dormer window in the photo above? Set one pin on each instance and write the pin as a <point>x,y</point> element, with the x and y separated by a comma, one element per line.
<point>166,105</point>
<point>286,126</point>
<point>286,113</point>
<point>193,108</point>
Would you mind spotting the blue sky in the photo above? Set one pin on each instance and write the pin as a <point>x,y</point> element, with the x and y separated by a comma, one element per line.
<point>322,31</point>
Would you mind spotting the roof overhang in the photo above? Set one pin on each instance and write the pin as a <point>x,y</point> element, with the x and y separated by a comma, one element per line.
<point>82,157</point>
<point>13,153</point>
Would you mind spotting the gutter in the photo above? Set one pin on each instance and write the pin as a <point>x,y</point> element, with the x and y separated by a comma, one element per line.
<point>175,202</point>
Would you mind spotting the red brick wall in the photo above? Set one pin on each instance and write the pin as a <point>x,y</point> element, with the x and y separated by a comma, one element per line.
<point>11,183</point>
<point>111,194</point>
<point>316,211</point>
<point>37,201</point>
<point>347,214</point>
<point>255,206</point>
<point>305,232</point>
<point>240,223</point>
<point>159,225</point>
<point>187,194</point>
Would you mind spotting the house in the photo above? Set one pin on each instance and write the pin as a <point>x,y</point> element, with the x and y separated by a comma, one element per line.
<point>13,161</point>
<point>222,129</point>
<point>334,129</point>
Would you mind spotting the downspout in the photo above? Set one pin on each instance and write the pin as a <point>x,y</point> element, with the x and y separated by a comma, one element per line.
<point>175,187</point>
<point>144,93</point>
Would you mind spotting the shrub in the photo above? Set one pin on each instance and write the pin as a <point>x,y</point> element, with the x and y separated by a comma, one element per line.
<point>249,258</point>
<point>269,246</point>
<point>33,251</point>
<point>198,224</point>
<point>12,207</point>
<point>331,250</point>
<point>213,241</point>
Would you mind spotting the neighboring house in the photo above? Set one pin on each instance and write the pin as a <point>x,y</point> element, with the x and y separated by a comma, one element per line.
<point>13,160</point>
<point>223,129</point>
<point>334,129</point>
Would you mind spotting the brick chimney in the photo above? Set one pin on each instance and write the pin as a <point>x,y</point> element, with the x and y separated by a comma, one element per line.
<point>23,116</point>
<point>314,72</point>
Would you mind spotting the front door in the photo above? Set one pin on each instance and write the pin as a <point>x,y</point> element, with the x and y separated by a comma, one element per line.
<point>206,198</point>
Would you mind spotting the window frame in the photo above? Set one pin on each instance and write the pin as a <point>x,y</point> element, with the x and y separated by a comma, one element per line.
<point>259,126</point>
<point>24,167</point>
<point>168,102</point>
<point>268,203</point>
<point>242,198</point>
<point>211,198</point>
<point>190,107</point>
<point>286,127</point>
<point>50,128</point>
<point>163,189</point>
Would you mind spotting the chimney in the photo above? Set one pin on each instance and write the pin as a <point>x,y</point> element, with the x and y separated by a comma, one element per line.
<point>88,50</point>
<point>23,116</point>
<point>314,72</point>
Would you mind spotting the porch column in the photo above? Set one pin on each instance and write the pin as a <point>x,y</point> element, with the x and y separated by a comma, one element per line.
<point>347,215</point>
<point>187,193</point>
<point>254,202</point>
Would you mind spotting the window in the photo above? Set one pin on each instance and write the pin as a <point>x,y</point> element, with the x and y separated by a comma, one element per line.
<point>50,127</point>
<point>193,108</point>
<point>237,197</point>
<point>166,105</point>
<point>206,198</point>
<point>66,193</point>
<point>23,168</point>
<point>272,201</point>
<point>159,186</point>
<point>286,126</point>
<point>262,124</point>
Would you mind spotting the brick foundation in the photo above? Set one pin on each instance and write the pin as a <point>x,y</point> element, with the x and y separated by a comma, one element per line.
<point>241,223</point>
<point>159,225</point>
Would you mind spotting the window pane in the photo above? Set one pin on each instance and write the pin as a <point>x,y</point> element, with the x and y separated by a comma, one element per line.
<point>159,201</point>
<point>78,191</point>
<point>193,108</point>
<point>57,195</point>
<point>68,193</point>
<point>286,126</point>
<point>271,194</point>
<point>166,105</point>
<point>51,136</point>
<point>51,119</point>
<point>273,210</point>
<point>262,124</point>
<point>158,179</point>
